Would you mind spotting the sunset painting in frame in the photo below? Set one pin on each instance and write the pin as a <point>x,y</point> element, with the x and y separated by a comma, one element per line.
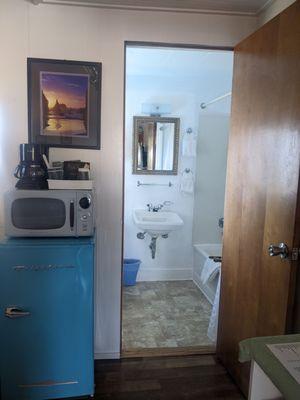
<point>64,108</point>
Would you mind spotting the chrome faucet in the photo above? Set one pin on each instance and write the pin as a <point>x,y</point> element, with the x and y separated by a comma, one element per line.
<point>157,208</point>
<point>152,208</point>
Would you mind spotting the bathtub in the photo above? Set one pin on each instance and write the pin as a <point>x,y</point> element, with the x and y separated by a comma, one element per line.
<point>201,253</point>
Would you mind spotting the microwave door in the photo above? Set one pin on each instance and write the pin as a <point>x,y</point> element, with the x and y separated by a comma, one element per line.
<point>36,214</point>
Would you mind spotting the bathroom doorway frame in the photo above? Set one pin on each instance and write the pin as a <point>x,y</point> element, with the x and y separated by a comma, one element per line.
<point>157,351</point>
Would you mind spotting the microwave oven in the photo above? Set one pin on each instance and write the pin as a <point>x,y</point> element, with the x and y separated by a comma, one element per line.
<point>49,213</point>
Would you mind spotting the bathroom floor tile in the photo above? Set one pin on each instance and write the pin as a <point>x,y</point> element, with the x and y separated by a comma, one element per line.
<point>164,314</point>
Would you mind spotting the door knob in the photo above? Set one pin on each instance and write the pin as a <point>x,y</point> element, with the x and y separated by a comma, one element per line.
<point>281,250</point>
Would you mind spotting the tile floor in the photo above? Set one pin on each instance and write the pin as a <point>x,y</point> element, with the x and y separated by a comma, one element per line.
<point>165,314</point>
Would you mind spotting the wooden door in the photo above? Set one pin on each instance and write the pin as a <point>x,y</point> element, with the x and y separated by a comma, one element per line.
<point>262,188</point>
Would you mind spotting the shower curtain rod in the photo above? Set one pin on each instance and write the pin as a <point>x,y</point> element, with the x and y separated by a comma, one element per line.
<point>204,105</point>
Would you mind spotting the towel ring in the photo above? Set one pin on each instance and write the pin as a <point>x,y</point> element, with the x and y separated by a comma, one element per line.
<point>187,171</point>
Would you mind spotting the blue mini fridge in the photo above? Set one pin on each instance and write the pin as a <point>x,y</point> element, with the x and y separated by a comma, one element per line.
<point>46,319</point>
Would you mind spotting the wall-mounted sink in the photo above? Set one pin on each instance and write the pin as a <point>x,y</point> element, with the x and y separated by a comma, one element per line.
<point>157,223</point>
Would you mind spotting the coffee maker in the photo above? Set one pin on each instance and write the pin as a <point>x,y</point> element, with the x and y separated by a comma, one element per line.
<point>32,171</point>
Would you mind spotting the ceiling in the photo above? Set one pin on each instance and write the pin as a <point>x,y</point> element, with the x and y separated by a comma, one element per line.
<point>206,74</point>
<point>243,7</point>
<point>174,62</point>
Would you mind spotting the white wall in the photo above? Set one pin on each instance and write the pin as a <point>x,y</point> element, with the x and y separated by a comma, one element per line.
<point>77,33</point>
<point>274,9</point>
<point>174,255</point>
<point>211,176</point>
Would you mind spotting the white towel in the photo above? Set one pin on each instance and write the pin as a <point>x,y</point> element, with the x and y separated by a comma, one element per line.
<point>189,145</point>
<point>210,270</point>
<point>187,183</point>
<point>212,331</point>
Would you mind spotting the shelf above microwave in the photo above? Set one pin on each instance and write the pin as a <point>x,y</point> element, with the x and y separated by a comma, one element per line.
<point>70,184</point>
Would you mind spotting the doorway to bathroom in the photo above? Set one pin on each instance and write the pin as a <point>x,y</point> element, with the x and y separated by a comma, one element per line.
<point>177,111</point>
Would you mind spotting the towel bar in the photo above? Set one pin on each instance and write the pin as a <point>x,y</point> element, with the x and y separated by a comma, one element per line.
<point>154,184</point>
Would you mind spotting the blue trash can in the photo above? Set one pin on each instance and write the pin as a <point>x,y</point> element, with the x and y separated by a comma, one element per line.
<point>130,269</point>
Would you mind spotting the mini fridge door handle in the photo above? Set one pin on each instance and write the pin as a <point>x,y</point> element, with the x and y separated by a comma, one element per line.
<point>16,312</point>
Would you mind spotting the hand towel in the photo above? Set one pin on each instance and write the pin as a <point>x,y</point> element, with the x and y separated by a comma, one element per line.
<point>187,183</point>
<point>189,145</point>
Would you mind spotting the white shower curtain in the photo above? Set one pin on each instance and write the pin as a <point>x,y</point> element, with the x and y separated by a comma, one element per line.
<point>212,330</point>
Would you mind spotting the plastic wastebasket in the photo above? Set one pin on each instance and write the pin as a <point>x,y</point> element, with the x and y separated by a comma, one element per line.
<point>130,270</point>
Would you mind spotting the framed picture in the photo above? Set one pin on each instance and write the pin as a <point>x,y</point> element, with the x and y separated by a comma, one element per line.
<point>64,103</point>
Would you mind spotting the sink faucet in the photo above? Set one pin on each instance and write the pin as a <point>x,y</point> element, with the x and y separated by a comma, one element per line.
<point>157,208</point>
<point>152,208</point>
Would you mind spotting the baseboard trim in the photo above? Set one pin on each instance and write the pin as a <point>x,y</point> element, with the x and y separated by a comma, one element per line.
<point>165,274</point>
<point>168,351</point>
<point>106,356</point>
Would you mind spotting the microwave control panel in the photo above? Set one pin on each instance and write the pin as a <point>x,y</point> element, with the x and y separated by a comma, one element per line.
<point>85,220</point>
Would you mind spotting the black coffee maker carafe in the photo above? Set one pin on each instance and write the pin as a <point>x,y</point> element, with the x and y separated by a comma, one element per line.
<point>31,171</point>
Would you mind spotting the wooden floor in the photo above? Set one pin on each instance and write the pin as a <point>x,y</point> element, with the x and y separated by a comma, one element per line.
<point>164,378</point>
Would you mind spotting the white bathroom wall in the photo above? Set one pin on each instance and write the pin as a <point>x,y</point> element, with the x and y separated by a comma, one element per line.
<point>212,157</point>
<point>174,255</point>
<point>211,176</point>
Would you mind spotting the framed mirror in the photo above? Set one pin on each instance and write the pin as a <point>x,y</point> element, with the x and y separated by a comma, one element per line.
<point>155,145</point>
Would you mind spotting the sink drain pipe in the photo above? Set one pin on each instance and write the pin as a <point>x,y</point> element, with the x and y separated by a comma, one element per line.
<point>152,246</point>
